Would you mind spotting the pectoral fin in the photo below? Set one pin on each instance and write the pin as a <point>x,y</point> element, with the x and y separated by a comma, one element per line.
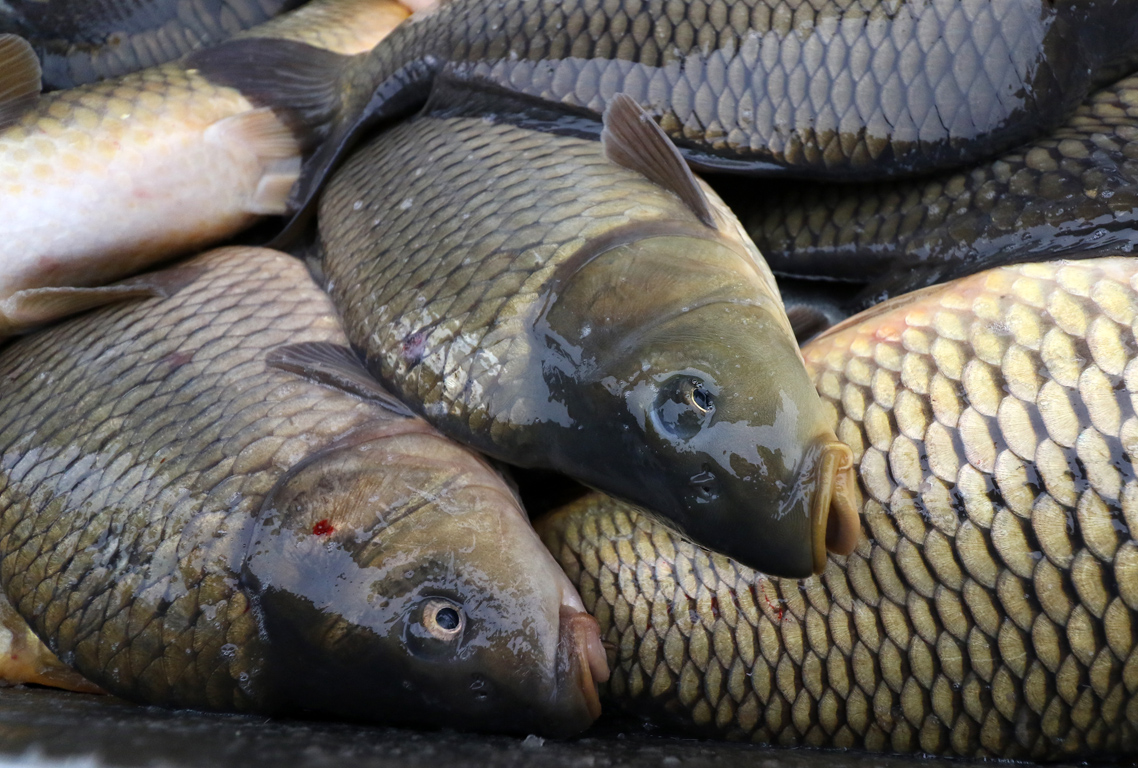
<point>39,306</point>
<point>632,140</point>
<point>336,366</point>
<point>20,78</point>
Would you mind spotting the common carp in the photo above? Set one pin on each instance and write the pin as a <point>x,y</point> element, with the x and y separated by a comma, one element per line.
<point>80,41</point>
<point>101,181</point>
<point>1071,192</point>
<point>991,608</point>
<point>833,89</point>
<point>195,513</point>
<point>589,307</point>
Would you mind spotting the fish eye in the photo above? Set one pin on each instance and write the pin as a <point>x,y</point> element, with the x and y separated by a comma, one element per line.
<point>443,619</point>
<point>684,405</point>
<point>434,628</point>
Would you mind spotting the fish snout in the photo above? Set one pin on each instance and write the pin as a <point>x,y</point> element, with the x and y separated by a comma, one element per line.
<point>582,663</point>
<point>834,521</point>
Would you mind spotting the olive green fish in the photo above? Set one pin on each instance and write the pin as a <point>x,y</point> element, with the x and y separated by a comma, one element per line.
<point>589,307</point>
<point>991,608</point>
<point>188,522</point>
<point>102,181</point>
<point>827,88</point>
<point>1071,192</point>
<point>81,41</point>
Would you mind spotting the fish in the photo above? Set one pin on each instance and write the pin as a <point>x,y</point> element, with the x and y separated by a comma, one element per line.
<point>202,505</point>
<point>991,606</point>
<point>80,41</point>
<point>831,89</point>
<point>1069,193</point>
<point>589,308</point>
<point>25,659</point>
<point>101,181</point>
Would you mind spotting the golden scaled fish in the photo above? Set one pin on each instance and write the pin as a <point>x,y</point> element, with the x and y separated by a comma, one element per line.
<point>101,181</point>
<point>202,504</point>
<point>590,308</point>
<point>991,607</point>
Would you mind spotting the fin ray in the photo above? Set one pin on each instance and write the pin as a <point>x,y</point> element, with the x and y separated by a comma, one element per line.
<point>20,78</point>
<point>632,140</point>
<point>336,366</point>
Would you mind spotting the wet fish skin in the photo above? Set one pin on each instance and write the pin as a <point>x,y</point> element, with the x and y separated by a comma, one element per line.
<point>1071,192</point>
<point>100,181</point>
<point>81,41</point>
<point>535,300</point>
<point>991,607</point>
<point>187,526</point>
<point>830,89</point>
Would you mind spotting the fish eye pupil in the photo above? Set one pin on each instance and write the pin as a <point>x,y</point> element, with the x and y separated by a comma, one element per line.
<point>447,618</point>
<point>701,398</point>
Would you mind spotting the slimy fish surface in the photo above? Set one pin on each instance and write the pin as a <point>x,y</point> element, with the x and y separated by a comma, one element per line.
<point>589,307</point>
<point>991,607</point>
<point>1071,192</point>
<point>848,89</point>
<point>101,181</point>
<point>206,502</point>
<point>81,41</point>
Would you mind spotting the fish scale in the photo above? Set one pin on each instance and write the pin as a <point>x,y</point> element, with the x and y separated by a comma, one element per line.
<point>991,607</point>
<point>1070,192</point>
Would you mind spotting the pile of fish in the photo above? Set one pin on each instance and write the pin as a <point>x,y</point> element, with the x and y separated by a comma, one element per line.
<point>254,480</point>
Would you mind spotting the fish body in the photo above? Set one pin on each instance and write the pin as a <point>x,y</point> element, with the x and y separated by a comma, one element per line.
<point>1068,194</point>
<point>832,89</point>
<point>188,522</point>
<point>81,41</point>
<point>100,181</point>
<point>535,299</point>
<point>991,607</point>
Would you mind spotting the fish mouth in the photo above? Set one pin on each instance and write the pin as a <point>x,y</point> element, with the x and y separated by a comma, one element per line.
<point>834,521</point>
<point>583,656</point>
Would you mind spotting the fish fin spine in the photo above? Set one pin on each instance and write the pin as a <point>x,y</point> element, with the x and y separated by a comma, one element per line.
<point>21,78</point>
<point>632,140</point>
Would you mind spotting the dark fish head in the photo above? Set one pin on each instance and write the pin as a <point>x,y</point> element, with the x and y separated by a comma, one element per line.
<point>398,580</point>
<point>722,430</point>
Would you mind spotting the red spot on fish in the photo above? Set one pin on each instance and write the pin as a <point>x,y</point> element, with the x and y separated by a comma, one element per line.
<point>770,604</point>
<point>322,528</point>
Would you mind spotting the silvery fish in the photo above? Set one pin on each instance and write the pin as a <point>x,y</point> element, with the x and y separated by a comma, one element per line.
<point>101,181</point>
<point>591,308</point>
<point>198,510</point>
<point>991,608</point>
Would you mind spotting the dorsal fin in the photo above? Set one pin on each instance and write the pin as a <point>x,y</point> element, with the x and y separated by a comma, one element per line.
<point>336,366</point>
<point>631,139</point>
<point>20,78</point>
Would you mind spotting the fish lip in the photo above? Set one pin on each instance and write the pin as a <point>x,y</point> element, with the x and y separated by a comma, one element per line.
<point>834,522</point>
<point>582,657</point>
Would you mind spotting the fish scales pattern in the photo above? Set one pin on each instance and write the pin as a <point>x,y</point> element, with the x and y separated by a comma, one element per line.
<point>137,581</point>
<point>992,604</point>
<point>466,253</point>
<point>1069,192</point>
<point>83,42</point>
<point>834,87</point>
